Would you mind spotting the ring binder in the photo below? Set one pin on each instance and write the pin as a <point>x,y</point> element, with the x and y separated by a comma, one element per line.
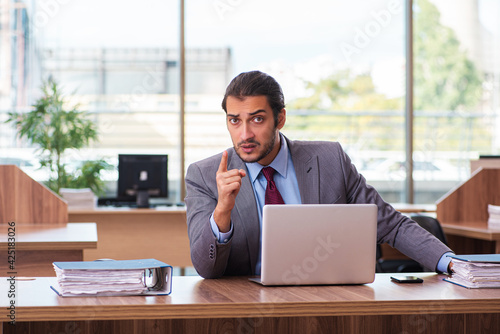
<point>113,278</point>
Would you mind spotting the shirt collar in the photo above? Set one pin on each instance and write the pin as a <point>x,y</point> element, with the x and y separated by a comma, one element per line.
<point>279,163</point>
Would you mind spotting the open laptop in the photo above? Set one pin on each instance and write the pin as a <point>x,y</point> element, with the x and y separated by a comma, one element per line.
<point>312,244</point>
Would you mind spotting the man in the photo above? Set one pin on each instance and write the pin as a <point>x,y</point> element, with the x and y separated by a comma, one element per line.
<point>226,192</point>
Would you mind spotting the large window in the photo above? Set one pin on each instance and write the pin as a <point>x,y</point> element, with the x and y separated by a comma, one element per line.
<point>119,60</point>
<point>456,79</point>
<point>341,65</point>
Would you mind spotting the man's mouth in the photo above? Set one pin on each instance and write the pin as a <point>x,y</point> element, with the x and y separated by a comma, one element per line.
<point>248,148</point>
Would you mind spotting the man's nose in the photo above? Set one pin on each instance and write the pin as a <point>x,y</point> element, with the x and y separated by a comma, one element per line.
<point>246,132</point>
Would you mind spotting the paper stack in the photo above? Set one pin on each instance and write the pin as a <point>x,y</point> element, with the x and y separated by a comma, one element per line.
<point>476,271</point>
<point>79,198</point>
<point>113,278</point>
<point>494,216</point>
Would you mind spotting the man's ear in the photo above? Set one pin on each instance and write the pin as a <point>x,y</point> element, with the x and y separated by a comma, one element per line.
<point>281,118</point>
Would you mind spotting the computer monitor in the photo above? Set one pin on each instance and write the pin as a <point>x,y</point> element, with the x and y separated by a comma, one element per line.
<point>141,176</point>
<point>489,156</point>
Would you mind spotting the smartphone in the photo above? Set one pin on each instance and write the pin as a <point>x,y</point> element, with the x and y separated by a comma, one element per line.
<point>406,279</point>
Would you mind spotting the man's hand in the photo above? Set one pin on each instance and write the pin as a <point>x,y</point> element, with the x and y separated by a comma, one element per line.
<point>228,186</point>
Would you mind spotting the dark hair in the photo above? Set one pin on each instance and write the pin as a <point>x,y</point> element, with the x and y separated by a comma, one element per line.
<point>256,83</point>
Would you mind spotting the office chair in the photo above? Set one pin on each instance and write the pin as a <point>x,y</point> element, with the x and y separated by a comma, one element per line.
<point>433,226</point>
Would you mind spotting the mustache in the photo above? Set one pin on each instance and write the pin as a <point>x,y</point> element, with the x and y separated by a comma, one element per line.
<point>249,141</point>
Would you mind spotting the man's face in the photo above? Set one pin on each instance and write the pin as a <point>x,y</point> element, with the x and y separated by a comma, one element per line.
<point>251,125</point>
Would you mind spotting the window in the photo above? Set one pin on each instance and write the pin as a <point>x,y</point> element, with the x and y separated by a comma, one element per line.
<point>341,65</point>
<point>456,79</point>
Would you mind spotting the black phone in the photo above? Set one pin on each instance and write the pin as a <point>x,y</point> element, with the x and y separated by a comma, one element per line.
<point>406,279</point>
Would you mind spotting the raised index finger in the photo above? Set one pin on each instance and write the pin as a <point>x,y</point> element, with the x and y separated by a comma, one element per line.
<point>223,163</point>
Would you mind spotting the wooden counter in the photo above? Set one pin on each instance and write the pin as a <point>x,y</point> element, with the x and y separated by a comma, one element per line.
<point>474,237</point>
<point>414,208</point>
<point>37,246</point>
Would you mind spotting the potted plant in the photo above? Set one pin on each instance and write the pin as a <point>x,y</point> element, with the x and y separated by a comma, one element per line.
<point>55,130</point>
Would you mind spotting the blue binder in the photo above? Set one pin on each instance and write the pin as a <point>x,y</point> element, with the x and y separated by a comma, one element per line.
<point>487,258</point>
<point>159,275</point>
<point>487,278</point>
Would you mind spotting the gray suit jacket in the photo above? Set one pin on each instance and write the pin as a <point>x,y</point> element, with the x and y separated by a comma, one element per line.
<point>325,176</point>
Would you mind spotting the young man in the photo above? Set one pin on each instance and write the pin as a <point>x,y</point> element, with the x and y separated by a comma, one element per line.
<point>226,192</point>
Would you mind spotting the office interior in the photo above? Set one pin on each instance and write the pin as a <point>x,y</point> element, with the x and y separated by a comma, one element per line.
<point>152,80</point>
<point>413,99</point>
<point>410,88</point>
<point>413,102</point>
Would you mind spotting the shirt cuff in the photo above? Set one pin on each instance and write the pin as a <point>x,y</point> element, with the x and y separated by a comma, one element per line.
<point>222,237</point>
<point>443,263</point>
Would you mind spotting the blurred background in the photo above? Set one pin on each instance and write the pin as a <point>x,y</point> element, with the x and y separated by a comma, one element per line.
<point>342,66</point>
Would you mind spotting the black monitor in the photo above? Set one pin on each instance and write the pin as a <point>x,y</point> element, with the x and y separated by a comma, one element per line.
<point>488,156</point>
<point>141,176</point>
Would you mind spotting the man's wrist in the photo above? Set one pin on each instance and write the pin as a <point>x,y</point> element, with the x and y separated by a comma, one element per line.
<point>223,220</point>
<point>220,236</point>
<point>444,262</point>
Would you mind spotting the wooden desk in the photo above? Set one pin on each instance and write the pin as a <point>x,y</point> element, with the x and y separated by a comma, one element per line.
<point>414,208</point>
<point>472,237</point>
<point>235,305</point>
<point>126,234</point>
<point>37,246</point>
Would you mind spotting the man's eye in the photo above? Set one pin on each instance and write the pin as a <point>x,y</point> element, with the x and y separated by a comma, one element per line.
<point>258,119</point>
<point>233,120</point>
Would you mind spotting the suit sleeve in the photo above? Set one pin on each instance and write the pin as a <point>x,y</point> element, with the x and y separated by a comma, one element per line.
<point>209,257</point>
<point>393,228</point>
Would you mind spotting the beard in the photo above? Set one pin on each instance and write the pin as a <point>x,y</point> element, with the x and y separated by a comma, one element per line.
<point>266,149</point>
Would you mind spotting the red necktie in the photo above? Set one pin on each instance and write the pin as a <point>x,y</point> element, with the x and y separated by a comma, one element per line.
<point>273,195</point>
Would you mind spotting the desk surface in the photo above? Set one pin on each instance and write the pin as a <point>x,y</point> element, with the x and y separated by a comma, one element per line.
<point>197,298</point>
<point>50,237</point>
<point>414,208</point>
<point>478,230</point>
<point>129,211</point>
<point>37,246</point>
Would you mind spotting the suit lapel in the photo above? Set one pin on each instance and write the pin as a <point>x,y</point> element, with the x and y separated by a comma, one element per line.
<point>246,209</point>
<point>307,171</point>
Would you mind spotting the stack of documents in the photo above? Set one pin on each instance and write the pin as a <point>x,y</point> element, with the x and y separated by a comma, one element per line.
<point>113,278</point>
<point>476,271</point>
<point>494,216</point>
<point>79,198</point>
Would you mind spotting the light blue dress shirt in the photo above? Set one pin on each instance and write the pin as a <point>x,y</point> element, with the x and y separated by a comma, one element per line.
<point>444,261</point>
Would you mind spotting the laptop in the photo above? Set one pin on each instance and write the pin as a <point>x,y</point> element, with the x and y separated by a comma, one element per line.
<point>318,244</point>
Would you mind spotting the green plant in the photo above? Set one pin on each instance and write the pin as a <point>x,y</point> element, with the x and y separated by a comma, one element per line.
<point>55,130</point>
